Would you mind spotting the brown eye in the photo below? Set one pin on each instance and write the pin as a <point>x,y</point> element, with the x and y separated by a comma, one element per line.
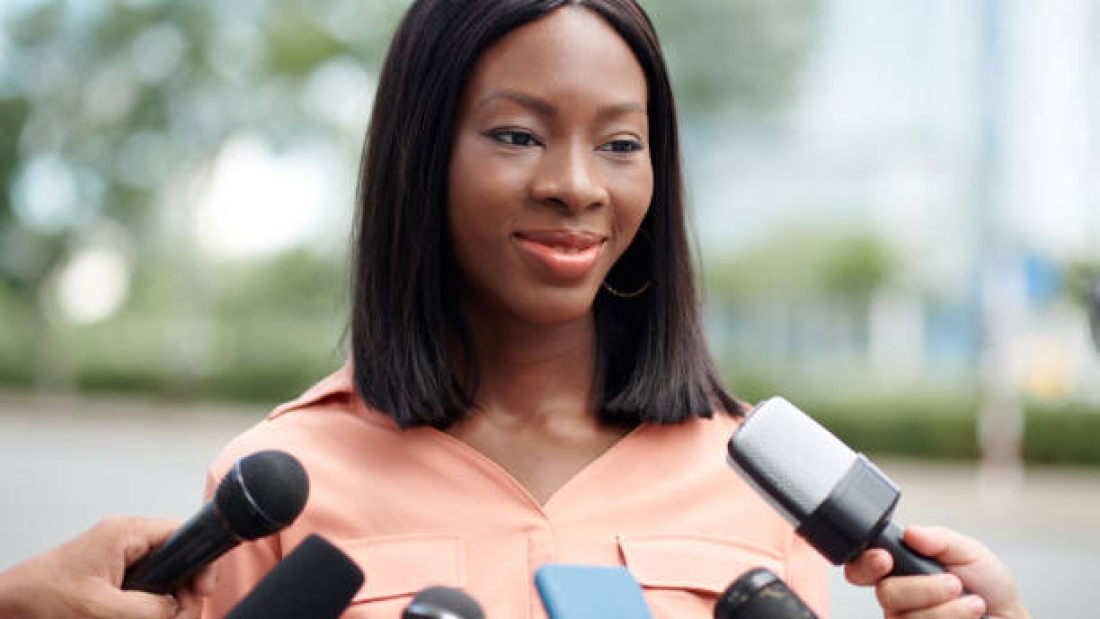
<point>622,146</point>
<point>512,137</point>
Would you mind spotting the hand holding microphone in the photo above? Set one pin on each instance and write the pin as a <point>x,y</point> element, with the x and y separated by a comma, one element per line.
<point>971,564</point>
<point>80,578</point>
<point>260,495</point>
<point>838,500</point>
<point>843,505</point>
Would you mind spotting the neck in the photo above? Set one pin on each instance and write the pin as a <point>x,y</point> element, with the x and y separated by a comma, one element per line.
<point>535,370</point>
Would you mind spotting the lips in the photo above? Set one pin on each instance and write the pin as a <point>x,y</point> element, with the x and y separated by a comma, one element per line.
<point>562,239</point>
<point>561,254</point>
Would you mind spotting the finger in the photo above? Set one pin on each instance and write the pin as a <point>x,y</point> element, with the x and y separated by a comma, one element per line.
<point>190,605</point>
<point>968,607</point>
<point>868,567</point>
<point>945,545</point>
<point>206,581</point>
<point>900,594</point>
<point>191,596</point>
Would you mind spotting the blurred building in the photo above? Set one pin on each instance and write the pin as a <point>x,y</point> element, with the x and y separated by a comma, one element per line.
<point>965,137</point>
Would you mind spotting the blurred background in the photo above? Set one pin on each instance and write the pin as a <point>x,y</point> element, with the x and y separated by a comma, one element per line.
<point>896,204</point>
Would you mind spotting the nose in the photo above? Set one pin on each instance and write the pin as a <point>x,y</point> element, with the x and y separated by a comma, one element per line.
<point>568,177</point>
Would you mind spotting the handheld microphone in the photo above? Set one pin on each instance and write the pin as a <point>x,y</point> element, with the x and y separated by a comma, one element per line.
<point>837,499</point>
<point>261,494</point>
<point>760,594</point>
<point>442,603</point>
<point>590,592</point>
<point>315,580</point>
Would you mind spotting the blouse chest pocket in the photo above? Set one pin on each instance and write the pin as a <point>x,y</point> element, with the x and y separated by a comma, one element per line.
<point>397,568</point>
<point>683,575</point>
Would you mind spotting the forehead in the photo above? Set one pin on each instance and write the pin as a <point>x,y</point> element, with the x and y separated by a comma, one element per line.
<point>571,48</point>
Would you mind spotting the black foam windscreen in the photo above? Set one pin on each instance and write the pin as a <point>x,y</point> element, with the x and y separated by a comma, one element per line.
<point>262,493</point>
<point>316,580</point>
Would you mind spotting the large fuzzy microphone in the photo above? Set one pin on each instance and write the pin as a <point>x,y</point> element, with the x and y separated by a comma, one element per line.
<point>442,603</point>
<point>315,580</point>
<point>839,501</point>
<point>760,594</point>
<point>261,494</point>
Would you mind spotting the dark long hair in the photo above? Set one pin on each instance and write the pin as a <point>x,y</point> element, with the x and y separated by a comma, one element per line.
<point>407,334</point>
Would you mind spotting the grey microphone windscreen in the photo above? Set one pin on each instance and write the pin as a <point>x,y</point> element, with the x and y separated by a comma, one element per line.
<point>837,500</point>
<point>792,459</point>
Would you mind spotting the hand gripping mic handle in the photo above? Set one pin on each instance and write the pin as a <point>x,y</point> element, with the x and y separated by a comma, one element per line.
<point>906,561</point>
<point>195,544</point>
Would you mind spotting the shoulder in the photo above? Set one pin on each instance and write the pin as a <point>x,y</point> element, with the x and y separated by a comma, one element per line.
<point>309,426</point>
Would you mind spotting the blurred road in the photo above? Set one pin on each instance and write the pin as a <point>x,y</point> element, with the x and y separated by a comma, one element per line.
<point>66,463</point>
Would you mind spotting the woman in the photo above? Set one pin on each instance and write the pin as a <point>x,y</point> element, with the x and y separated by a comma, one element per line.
<point>528,380</point>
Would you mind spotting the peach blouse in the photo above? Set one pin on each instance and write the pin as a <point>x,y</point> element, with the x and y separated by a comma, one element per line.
<point>418,507</point>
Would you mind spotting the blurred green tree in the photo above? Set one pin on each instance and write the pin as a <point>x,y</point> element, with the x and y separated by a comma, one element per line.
<point>798,265</point>
<point>735,58</point>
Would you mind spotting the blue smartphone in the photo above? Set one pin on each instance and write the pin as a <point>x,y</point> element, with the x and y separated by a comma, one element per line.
<point>590,592</point>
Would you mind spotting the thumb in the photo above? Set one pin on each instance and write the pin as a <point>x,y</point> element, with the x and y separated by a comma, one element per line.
<point>139,605</point>
<point>144,534</point>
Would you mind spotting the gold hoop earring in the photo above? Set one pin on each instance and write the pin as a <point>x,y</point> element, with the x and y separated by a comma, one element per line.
<point>636,292</point>
<point>626,295</point>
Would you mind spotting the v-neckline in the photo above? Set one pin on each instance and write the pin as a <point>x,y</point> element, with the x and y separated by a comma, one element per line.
<point>584,472</point>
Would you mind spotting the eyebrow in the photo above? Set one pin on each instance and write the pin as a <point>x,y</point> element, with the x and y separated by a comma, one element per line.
<point>545,108</point>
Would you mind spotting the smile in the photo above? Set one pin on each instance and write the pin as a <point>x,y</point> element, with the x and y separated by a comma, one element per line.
<point>563,255</point>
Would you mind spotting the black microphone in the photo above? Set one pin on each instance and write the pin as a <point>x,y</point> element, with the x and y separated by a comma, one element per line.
<point>316,580</point>
<point>261,494</point>
<point>442,603</point>
<point>837,499</point>
<point>760,594</point>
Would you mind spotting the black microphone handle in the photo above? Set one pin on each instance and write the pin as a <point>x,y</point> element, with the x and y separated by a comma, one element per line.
<point>194,545</point>
<point>907,562</point>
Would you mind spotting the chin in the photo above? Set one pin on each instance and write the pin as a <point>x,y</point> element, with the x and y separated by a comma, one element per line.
<point>556,307</point>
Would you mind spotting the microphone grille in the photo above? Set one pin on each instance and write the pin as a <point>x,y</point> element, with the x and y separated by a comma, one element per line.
<point>262,493</point>
<point>443,603</point>
<point>760,594</point>
<point>790,457</point>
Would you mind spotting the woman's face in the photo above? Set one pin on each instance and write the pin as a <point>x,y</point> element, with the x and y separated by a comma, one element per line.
<point>550,175</point>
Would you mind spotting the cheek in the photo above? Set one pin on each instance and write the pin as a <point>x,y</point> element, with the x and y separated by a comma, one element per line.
<point>477,215</point>
<point>479,187</point>
<point>634,194</point>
